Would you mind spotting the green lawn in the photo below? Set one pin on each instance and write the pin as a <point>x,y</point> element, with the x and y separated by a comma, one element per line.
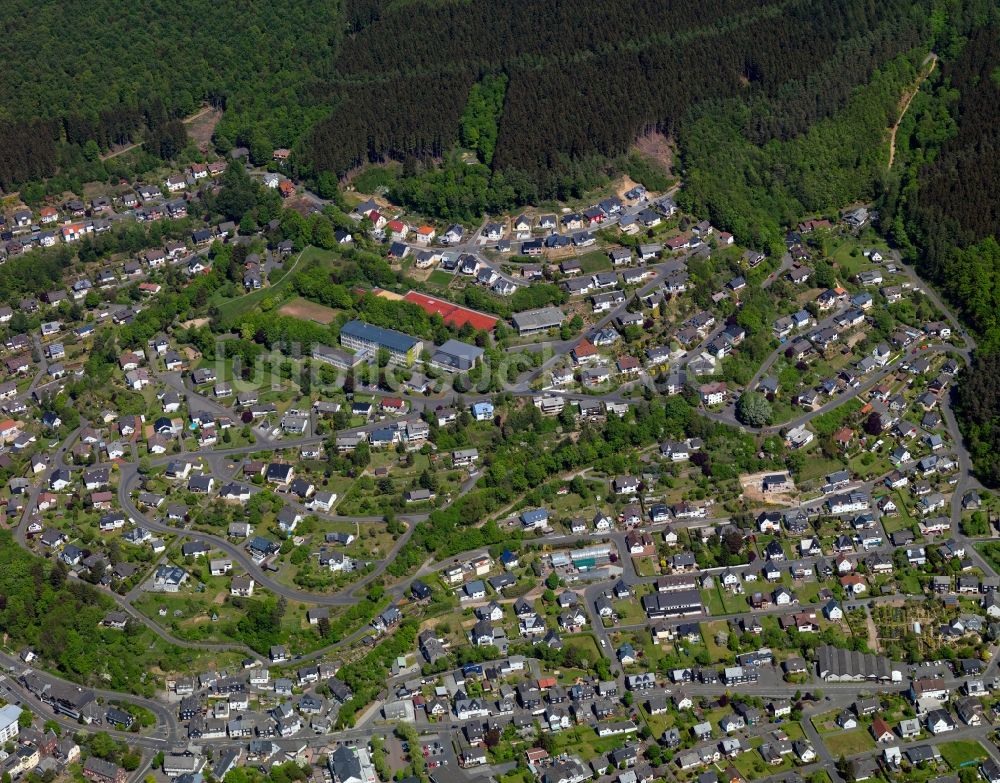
<point>849,265</point>
<point>825,722</point>
<point>712,600</point>
<point>708,632</point>
<point>849,743</point>
<point>961,753</point>
<point>645,566</point>
<point>910,585</point>
<point>988,553</point>
<point>629,612</point>
<point>595,261</point>
<point>584,741</point>
<point>817,467</point>
<point>251,301</point>
<point>903,504</point>
<point>893,523</point>
<point>439,278</point>
<point>658,723</point>
<point>752,767</point>
<point>732,603</point>
<point>808,592</point>
<point>585,645</point>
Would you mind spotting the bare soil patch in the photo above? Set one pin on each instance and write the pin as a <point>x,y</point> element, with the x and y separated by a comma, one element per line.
<point>303,204</point>
<point>308,311</point>
<point>623,185</point>
<point>658,147</point>
<point>201,126</point>
<point>751,484</point>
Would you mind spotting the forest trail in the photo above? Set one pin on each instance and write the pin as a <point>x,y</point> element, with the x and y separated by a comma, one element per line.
<point>932,58</point>
<point>129,147</point>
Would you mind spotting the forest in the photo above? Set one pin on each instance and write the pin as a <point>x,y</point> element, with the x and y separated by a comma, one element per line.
<point>120,71</point>
<point>977,405</point>
<point>584,81</point>
<point>756,192</point>
<point>942,207</point>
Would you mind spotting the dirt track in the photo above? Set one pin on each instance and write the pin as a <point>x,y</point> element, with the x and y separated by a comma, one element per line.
<point>906,105</point>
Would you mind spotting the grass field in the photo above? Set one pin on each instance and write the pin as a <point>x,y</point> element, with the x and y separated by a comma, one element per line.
<point>629,612</point>
<point>721,602</point>
<point>849,264</point>
<point>751,766</point>
<point>961,753</point>
<point>708,632</point>
<point>585,645</point>
<point>595,261</point>
<point>658,723</point>
<point>584,741</point>
<point>849,743</point>
<point>988,554</point>
<point>825,722</point>
<point>645,566</point>
<point>808,592</point>
<point>241,304</point>
<point>816,467</point>
<point>439,278</point>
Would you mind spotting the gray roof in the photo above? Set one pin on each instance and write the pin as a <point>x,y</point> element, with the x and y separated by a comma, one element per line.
<point>455,353</point>
<point>539,319</point>
<point>836,662</point>
<point>344,764</point>
<point>387,338</point>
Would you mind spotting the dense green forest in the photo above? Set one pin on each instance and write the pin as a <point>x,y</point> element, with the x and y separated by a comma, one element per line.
<point>977,404</point>
<point>106,72</point>
<point>757,191</point>
<point>482,113</point>
<point>584,81</point>
<point>942,207</point>
<point>944,204</point>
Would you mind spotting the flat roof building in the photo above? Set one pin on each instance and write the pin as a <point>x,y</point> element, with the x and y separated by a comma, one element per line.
<point>456,356</point>
<point>359,336</point>
<point>540,320</point>
<point>342,360</point>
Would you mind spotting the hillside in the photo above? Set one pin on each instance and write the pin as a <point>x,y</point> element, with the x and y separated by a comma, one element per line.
<point>583,82</point>
<point>943,208</point>
<point>120,68</point>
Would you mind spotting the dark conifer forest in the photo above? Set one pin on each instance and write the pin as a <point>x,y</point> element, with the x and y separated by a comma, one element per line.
<point>584,80</point>
<point>942,206</point>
